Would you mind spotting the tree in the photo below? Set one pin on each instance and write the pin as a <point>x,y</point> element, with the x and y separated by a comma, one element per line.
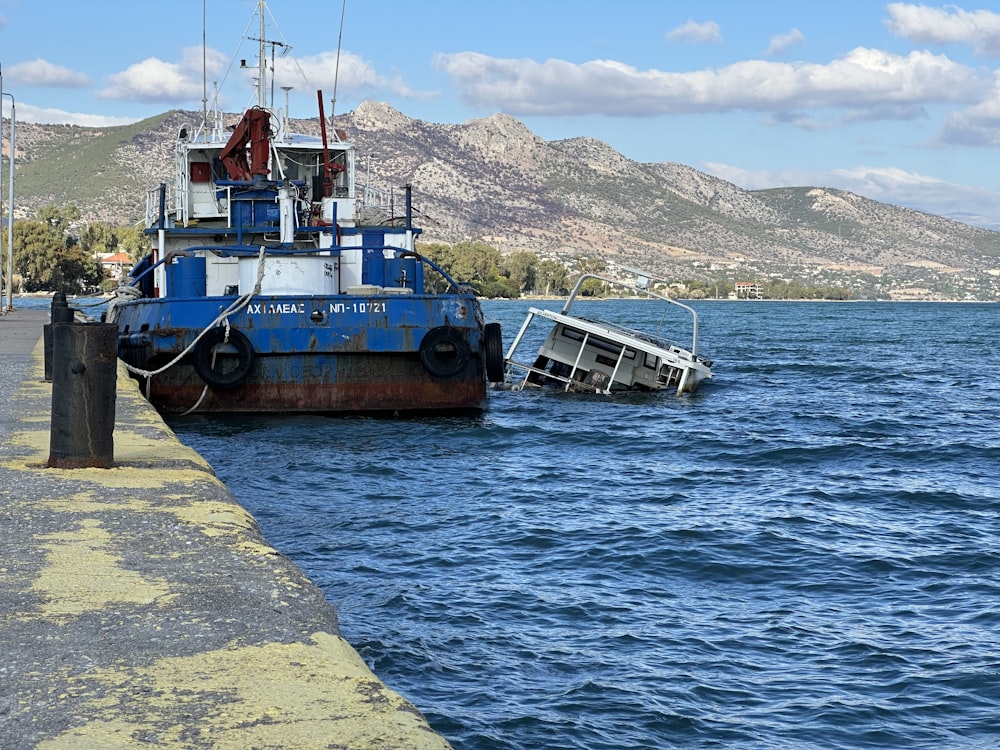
<point>723,288</point>
<point>836,293</point>
<point>49,258</point>
<point>521,268</point>
<point>131,240</point>
<point>551,277</point>
<point>489,274</point>
<point>444,257</point>
<point>591,287</point>
<point>59,220</point>
<point>98,238</point>
<point>591,264</point>
<point>474,263</point>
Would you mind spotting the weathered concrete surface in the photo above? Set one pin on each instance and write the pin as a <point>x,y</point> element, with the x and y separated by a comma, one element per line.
<point>140,606</point>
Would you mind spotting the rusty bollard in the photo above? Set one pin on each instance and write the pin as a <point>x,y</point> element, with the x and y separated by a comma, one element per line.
<point>84,386</point>
<point>60,312</point>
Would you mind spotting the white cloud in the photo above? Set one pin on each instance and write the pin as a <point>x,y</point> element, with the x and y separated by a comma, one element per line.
<point>864,80</point>
<point>155,80</point>
<point>757,179</point>
<point>978,125</point>
<point>356,75</point>
<point>979,29</point>
<point>898,187</point>
<point>782,42</point>
<point>707,32</point>
<point>47,115</point>
<point>152,80</point>
<point>43,73</point>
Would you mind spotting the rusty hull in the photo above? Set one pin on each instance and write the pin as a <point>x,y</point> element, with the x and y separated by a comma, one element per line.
<point>334,384</point>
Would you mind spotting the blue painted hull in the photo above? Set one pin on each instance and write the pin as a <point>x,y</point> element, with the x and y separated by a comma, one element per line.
<point>315,354</point>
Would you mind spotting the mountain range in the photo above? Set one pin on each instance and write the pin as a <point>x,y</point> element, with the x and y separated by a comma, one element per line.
<point>495,181</point>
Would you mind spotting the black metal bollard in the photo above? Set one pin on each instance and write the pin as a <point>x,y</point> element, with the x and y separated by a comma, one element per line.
<point>84,387</point>
<point>60,312</point>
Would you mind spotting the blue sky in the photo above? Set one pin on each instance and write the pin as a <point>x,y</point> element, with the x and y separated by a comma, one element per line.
<point>897,101</point>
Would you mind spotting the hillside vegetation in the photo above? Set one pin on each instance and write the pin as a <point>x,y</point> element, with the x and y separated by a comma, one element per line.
<point>493,180</point>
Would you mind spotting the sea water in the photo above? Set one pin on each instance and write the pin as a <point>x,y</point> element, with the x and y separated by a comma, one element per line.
<point>804,554</point>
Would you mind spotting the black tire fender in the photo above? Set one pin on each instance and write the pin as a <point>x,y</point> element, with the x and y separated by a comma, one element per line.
<point>493,353</point>
<point>444,352</point>
<point>204,358</point>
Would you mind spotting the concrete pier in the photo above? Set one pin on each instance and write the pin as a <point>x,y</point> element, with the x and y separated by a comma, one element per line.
<point>141,607</point>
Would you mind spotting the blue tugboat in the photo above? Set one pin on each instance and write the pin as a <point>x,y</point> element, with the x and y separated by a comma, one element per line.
<point>276,284</point>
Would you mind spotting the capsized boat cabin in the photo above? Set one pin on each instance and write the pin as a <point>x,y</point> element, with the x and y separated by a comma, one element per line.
<point>597,356</point>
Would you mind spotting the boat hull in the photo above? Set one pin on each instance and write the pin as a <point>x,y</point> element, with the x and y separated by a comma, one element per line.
<point>344,383</point>
<point>335,354</point>
<point>587,355</point>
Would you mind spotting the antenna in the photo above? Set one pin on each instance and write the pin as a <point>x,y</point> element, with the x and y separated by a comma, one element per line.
<point>261,80</point>
<point>336,68</point>
<point>262,87</point>
<point>288,121</point>
<point>204,66</point>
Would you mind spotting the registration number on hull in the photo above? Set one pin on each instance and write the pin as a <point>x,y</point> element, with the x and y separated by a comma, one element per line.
<point>336,308</point>
<point>370,306</point>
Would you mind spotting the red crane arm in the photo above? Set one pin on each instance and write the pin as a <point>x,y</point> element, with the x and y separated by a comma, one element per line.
<point>253,129</point>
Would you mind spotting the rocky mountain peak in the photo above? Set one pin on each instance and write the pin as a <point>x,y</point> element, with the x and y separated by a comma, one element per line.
<point>596,155</point>
<point>379,116</point>
<point>500,137</point>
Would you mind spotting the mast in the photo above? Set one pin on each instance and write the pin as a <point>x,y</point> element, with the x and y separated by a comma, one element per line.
<point>336,68</point>
<point>262,43</point>
<point>204,66</point>
<point>261,61</point>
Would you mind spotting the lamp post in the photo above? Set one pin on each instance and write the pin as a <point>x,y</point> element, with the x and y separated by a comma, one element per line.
<point>2,282</point>
<point>10,201</point>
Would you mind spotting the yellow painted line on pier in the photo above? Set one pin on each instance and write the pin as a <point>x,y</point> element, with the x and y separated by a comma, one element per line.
<point>144,440</point>
<point>83,574</point>
<point>295,695</point>
<point>141,555</point>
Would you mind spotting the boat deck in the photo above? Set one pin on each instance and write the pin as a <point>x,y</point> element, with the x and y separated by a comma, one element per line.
<point>587,354</point>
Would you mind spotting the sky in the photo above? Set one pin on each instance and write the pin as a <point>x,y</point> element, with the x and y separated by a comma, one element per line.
<point>898,101</point>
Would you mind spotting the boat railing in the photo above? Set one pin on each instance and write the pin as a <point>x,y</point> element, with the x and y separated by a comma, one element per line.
<point>452,284</point>
<point>156,203</point>
<point>632,333</point>
<point>531,369</point>
<point>568,378</point>
<point>380,198</point>
<point>372,197</point>
<point>638,289</point>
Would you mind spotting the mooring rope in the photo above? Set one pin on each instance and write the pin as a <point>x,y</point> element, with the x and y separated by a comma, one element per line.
<point>223,317</point>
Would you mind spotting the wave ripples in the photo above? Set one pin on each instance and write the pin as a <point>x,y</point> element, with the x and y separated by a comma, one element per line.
<point>804,554</point>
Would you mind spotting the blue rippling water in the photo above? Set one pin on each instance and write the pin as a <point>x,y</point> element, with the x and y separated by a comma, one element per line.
<point>805,554</point>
